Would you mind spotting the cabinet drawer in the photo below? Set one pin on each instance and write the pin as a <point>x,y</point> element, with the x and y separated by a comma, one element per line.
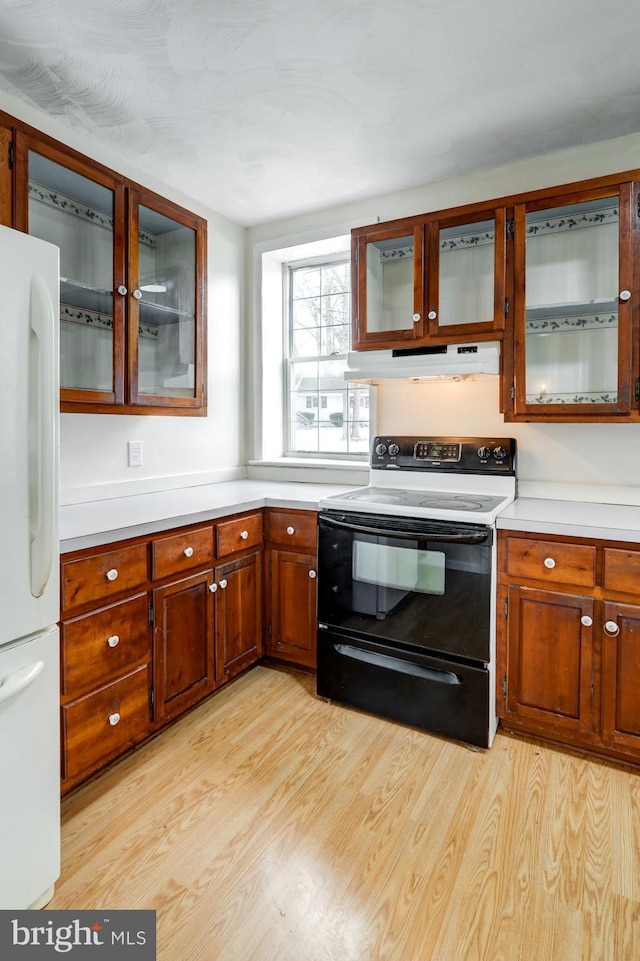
<point>239,534</point>
<point>621,570</point>
<point>98,647</point>
<point>552,561</point>
<point>180,552</point>
<point>101,576</point>
<point>103,725</point>
<point>292,530</point>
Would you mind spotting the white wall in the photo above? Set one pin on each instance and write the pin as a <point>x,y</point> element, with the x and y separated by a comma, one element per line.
<point>178,451</point>
<point>577,461</point>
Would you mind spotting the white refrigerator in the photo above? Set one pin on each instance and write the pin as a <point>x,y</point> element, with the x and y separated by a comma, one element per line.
<point>29,578</point>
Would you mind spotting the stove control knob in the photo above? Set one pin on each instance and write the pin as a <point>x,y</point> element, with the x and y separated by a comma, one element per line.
<point>499,453</point>
<point>381,449</point>
<point>393,450</point>
<point>484,453</point>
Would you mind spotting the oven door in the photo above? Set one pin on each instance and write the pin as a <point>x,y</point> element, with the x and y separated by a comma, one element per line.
<point>414,583</point>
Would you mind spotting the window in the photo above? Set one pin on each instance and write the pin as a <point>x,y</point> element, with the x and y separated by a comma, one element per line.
<point>325,415</point>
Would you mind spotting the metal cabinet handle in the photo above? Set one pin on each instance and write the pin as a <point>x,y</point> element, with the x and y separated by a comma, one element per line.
<point>188,552</point>
<point>223,583</point>
<point>112,574</point>
<point>113,719</point>
<point>611,628</point>
<point>291,530</point>
<point>432,315</point>
<point>625,295</point>
<point>137,294</point>
<point>416,318</point>
<point>549,562</point>
<point>244,535</point>
<point>312,574</point>
<point>586,621</point>
<point>122,290</point>
<point>213,588</point>
<point>113,641</point>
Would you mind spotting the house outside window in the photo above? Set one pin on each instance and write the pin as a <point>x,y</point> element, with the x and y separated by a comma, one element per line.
<point>325,415</point>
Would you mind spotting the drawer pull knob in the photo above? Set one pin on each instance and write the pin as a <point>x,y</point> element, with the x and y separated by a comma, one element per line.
<point>291,530</point>
<point>611,628</point>
<point>213,588</point>
<point>312,574</point>
<point>113,719</point>
<point>432,315</point>
<point>122,290</point>
<point>223,583</point>
<point>586,621</point>
<point>112,574</point>
<point>549,562</point>
<point>244,535</point>
<point>625,295</point>
<point>188,552</point>
<point>113,641</point>
<point>416,318</point>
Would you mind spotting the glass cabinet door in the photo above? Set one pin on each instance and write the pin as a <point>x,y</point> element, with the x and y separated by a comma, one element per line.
<point>573,342</point>
<point>77,213</point>
<point>467,279</point>
<point>165,341</point>
<point>388,283</point>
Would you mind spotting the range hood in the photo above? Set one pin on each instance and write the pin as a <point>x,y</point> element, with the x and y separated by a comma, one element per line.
<point>421,363</point>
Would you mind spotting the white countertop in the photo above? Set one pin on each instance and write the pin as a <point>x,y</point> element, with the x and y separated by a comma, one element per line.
<point>99,522</point>
<point>619,522</point>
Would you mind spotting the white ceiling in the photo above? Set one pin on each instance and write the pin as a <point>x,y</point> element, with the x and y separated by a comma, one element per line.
<point>266,108</point>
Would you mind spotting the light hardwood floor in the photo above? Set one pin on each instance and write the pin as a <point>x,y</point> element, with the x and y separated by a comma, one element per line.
<point>268,825</point>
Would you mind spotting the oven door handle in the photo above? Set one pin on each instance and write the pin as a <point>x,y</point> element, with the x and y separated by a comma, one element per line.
<point>467,537</point>
<point>398,664</point>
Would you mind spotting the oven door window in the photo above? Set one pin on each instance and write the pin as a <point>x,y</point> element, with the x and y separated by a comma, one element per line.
<point>399,568</point>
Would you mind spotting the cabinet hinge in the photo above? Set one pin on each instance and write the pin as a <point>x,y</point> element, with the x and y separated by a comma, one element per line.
<point>504,685</point>
<point>269,628</point>
<point>150,697</point>
<point>513,392</point>
<point>638,207</point>
<point>150,615</point>
<point>506,607</point>
<point>10,154</point>
<point>506,307</point>
<point>637,391</point>
<point>269,568</point>
<point>510,227</point>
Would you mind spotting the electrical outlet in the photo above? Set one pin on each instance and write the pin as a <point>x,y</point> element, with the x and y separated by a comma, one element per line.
<point>134,453</point>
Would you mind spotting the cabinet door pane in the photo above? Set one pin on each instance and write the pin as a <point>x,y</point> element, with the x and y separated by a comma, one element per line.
<point>466,274</point>
<point>572,285</point>
<point>390,273</point>
<point>166,289</point>
<point>76,214</point>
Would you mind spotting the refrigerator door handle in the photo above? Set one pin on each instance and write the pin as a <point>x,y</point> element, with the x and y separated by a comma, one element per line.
<point>12,684</point>
<point>42,479</point>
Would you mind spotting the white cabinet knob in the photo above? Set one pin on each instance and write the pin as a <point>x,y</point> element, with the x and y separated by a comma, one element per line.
<point>113,641</point>
<point>549,562</point>
<point>122,290</point>
<point>611,628</point>
<point>432,315</point>
<point>112,574</point>
<point>416,318</point>
<point>113,719</point>
<point>137,294</point>
<point>223,583</point>
<point>291,530</point>
<point>244,535</point>
<point>312,574</point>
<point>625,295</point>
<point>188,552</point>
<point>586,621</point>
<point>213,588</point>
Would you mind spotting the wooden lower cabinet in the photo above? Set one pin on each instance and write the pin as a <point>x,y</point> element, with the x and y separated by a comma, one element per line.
<point>183,655</point>
<point>238,616</point>
<point>568,658</point>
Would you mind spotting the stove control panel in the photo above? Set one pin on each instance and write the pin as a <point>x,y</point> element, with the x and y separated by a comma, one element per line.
<point>471,455</point>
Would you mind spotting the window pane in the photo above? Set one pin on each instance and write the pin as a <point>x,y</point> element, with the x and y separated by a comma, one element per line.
<point>306,343</point>
<point>307,312</point>
<point>306,281</point>
<point>335,309</point>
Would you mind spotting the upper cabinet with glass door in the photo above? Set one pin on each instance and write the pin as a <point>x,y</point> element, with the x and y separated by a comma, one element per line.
<point>573,291</point>
<point>434,280</point>
<point>131,287</point>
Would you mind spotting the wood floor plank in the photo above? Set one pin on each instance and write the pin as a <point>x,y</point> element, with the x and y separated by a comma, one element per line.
<point>268,825</point>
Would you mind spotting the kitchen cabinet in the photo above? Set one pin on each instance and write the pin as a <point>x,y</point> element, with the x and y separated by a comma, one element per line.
<point>291,594</point>
<point>573,345</point>
<point>132,287</point>
<point>430,280</point>
<point>568,641</point>
<point>238,603</point>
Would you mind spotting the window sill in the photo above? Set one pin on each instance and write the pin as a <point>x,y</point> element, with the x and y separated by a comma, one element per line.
<point>311,470</point>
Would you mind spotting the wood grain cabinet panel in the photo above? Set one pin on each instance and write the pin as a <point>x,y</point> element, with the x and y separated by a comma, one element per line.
<point>552,561</point>
<point>183,551</point>
<point>293,530</point>
<point>239,534</point>
<point>238,614</point>
<point>292,607</point>
<point>104,574</point>
<point>621,676</point>
<point>621,570</point>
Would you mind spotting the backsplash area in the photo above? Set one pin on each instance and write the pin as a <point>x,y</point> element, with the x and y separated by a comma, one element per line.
<point>586,462</point>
